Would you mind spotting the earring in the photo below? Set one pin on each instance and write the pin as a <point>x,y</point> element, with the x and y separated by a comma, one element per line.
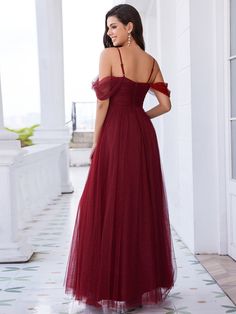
<point>129,39</point>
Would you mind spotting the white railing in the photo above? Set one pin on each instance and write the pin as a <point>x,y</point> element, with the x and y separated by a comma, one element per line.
<point>38,179</point>
<point>29,181</point>
<point>83,115</point>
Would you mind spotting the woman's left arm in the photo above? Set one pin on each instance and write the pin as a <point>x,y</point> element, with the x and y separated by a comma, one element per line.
<point>161,95</point>
<point>102,105</point>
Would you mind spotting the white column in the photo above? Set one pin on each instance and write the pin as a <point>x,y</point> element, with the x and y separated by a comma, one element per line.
<point>1,109</point>
<point>7,139</point>
<point>4,134</point>
<point>14,246</point>
<point>50,51</point>
<point>204,126</point>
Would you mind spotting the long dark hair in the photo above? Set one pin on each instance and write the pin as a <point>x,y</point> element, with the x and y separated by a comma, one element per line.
<point>125,13</point>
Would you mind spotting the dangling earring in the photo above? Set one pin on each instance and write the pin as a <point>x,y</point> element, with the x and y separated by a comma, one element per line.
<point>129,39</point>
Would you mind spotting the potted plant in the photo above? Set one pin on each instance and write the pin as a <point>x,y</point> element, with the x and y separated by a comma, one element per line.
<point>24,134</point>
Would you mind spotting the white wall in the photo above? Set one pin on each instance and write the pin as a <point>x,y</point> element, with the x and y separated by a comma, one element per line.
<point>192,132</point>
<point>187,38</point>
<point>177,141</point>
<point>204,125</point>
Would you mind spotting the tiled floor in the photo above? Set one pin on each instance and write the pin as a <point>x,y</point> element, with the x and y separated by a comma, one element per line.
<point>37,286</point>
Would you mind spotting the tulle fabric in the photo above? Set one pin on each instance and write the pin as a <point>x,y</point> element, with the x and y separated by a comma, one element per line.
<point>161,87</point>
<point>122,253</point>
<point>108,86</point>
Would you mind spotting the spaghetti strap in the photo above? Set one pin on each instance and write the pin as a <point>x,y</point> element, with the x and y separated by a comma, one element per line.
<point>121,62</point>
<point>151,70</point>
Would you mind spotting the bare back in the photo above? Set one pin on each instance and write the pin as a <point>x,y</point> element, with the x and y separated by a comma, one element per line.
<point>138,65</point>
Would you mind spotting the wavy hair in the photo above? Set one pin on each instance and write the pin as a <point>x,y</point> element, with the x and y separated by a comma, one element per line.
<point>125,13</point>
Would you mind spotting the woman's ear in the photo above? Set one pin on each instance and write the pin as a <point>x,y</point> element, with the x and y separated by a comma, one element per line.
<point>130,27</point>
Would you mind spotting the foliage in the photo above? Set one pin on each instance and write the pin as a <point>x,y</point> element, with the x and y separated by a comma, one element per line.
<point>25,134</point>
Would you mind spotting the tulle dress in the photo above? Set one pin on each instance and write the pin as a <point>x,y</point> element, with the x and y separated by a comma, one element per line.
<point>122,253</point>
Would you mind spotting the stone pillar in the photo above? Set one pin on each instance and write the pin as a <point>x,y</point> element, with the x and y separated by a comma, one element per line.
<point>50,52</point>
<point>4,134</point>
<point>14,246</point>
<point>1,109</point>
<point>9,145</point>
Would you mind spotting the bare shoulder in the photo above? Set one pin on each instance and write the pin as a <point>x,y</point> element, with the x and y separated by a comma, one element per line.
<point>156,68</point>
<point>148,55</point>
<point>107,53</point>
<point>105,63</point>
<point>152,58</point>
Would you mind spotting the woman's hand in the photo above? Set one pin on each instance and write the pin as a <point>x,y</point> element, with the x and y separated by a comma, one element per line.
<point>92,151</point>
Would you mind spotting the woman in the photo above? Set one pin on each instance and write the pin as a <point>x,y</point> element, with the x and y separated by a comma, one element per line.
<point>121,254</point>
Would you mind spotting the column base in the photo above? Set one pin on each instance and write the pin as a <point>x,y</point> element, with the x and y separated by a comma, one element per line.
<point>53,136</point>
<point>67,188</point>
<point>15,252</point>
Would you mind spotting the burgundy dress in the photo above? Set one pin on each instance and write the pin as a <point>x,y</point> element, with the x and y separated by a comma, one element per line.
<point>122,253</point>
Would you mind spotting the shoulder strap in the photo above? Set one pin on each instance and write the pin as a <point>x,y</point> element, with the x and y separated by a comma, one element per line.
<point>151,70</point>
<point>121,62</point>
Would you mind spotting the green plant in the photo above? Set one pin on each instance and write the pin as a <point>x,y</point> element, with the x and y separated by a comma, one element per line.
<point>24,134</point>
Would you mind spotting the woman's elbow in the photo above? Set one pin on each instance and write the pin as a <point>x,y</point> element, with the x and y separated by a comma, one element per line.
<point>167,106</point>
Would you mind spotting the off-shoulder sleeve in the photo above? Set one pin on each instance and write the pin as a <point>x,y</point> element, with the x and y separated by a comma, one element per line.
<point>105,87</point>
<point>161,87</point>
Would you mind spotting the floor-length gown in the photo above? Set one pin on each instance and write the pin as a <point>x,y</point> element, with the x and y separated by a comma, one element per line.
<point>121,252</point>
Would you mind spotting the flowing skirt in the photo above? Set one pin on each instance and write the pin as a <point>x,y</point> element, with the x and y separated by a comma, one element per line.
<point>122,253</point>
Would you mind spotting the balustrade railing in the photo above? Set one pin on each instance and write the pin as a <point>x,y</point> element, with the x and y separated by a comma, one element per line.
<point>29,181</point>
<point>82,116</point>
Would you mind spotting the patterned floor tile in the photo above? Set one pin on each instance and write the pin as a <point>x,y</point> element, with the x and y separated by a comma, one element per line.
<point>36,287</point>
